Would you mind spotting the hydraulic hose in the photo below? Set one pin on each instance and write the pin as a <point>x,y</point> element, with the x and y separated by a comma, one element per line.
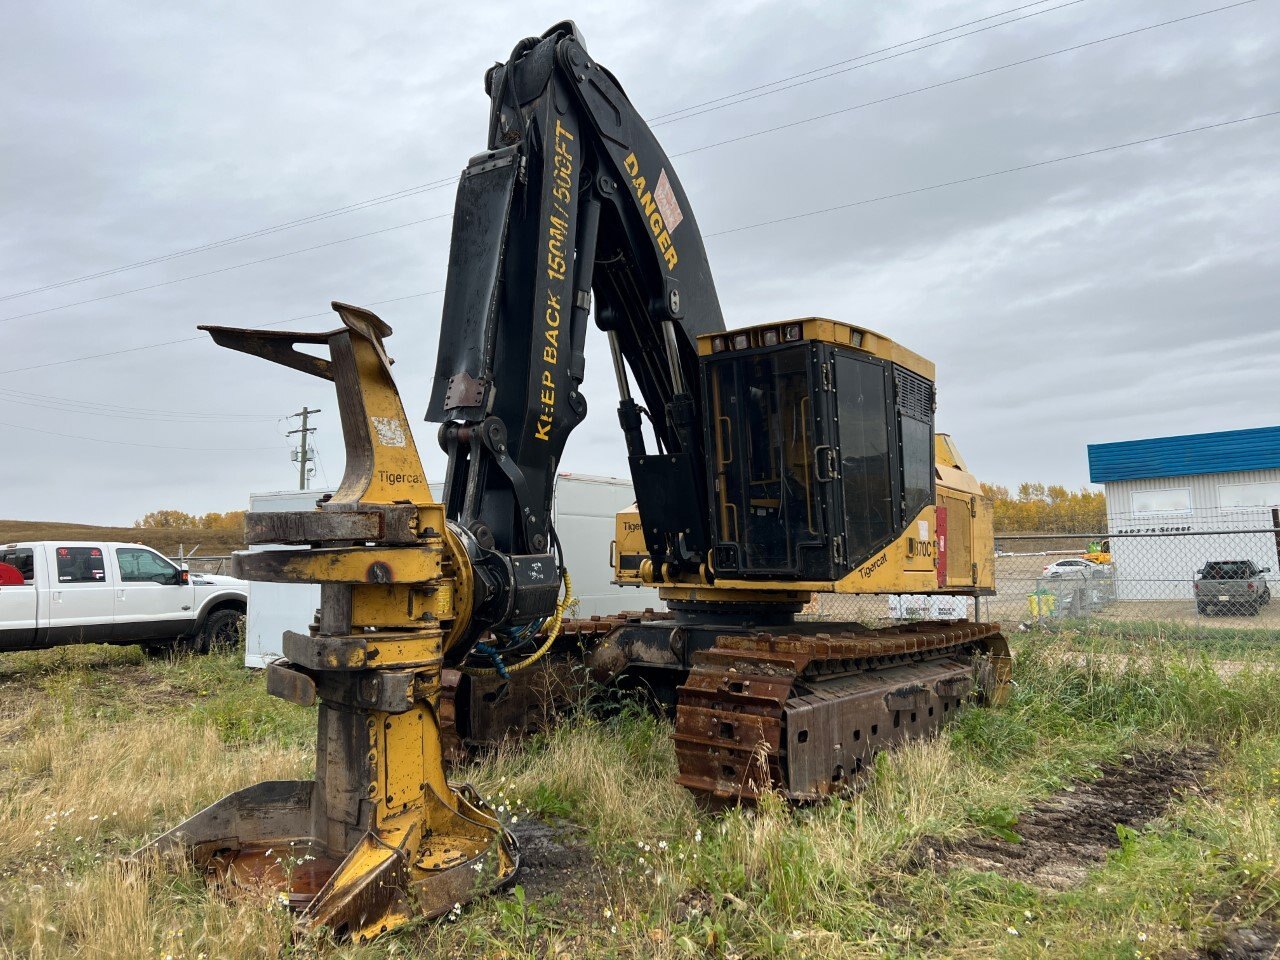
<point>553,631</point>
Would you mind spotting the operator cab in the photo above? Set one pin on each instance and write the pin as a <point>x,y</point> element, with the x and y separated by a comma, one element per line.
<point>820,446</point>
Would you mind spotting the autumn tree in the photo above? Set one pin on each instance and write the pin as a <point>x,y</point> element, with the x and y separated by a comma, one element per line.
<point>165,520</point>
<point>172,519</point>
<point>1041,508</point>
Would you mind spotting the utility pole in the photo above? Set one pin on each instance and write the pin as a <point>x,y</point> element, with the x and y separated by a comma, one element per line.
<point>306,456</point>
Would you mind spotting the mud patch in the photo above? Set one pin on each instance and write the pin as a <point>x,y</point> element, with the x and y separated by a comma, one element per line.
<point>1067,835</point>
<point>1261,941</point>
<point>556,861</point>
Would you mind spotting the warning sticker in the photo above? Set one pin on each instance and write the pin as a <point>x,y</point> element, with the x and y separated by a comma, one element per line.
<point>665,198</point>
<point>389,430</point>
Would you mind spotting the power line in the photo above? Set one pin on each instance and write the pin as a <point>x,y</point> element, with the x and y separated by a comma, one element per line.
<point>124,412</point>
<point>126,443</point>
<point>954,80</point>
<point>253,234</point>
<point>170,343</point>
<point>836,73</point>
<point>752,226</point>
<point>692,150</point>
<point>444,182</point>
<point>994,173</point>
<point>859,66</point>
<point>144,418</point>
<point>234,266</point>
<point>840,63</point>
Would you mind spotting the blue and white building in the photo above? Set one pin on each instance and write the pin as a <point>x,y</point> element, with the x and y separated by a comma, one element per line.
<point>1174,503</point>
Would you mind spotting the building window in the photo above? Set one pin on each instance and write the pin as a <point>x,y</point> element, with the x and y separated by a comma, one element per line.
<point>1147,502</point>
<point>1235,496</point>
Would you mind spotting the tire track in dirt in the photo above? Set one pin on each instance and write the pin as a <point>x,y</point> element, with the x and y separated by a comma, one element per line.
<point>556,860</point>
<point>1259,941</point>
<point>1068,834</point>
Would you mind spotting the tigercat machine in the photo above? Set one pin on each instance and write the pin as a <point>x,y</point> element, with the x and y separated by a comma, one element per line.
<point>770,464</point>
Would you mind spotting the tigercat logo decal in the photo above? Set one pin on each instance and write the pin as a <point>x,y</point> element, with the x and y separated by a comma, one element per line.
<point>871,567</point>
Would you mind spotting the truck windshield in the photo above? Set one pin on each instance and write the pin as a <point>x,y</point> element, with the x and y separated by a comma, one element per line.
<point>1228,570</point>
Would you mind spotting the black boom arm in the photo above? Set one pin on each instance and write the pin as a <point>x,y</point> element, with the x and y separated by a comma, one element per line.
<point>573,202</point>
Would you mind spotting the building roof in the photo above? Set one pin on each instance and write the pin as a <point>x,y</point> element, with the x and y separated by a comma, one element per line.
<point>1228,451</point>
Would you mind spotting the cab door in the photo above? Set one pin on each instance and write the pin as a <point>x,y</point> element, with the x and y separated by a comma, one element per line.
<point>766,478</point>
<point>153,598</point>
<point>81,594</point>
<point>18,600</point>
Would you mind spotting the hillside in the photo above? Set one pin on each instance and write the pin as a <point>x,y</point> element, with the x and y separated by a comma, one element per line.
<point>166,540</point>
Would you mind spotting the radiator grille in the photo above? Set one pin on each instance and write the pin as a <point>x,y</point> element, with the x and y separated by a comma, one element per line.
<point>914,395</point>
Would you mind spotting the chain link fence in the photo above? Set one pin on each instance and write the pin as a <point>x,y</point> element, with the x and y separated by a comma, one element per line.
<point>197,564</point>
<point>1195,575</point>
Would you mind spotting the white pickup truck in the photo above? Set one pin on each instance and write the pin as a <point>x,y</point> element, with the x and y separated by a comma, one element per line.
<point>61,592</point>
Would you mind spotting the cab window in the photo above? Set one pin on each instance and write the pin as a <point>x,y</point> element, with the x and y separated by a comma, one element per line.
<point>80,565</point>
<point>144,566</point>
<point>23,559</point>
<point>866,472</point>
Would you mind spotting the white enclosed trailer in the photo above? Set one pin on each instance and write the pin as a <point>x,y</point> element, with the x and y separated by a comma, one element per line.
<point>583,514</point>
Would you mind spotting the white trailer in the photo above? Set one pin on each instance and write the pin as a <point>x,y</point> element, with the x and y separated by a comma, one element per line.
<point>583,513</point>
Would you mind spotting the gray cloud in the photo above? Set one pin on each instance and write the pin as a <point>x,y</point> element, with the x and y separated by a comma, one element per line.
<point>1127,294</point>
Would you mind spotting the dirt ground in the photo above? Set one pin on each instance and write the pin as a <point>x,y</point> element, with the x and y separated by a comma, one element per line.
<point>1260,941</point>
<point>556,860</point>
<point>1017,576</point>
<point>167,541</point>
<point>1055,844</point>
<point>1058,841</point>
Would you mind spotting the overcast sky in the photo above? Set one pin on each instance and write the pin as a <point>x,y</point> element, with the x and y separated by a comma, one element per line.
<point>1127,294</point>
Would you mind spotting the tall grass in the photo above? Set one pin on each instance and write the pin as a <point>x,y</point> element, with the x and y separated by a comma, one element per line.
<point>1165,637</point>
<point>80,784</point>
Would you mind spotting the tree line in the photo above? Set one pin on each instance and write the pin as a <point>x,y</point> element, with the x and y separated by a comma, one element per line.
<point>1035,508</point>
<point>1041,508</point>
<point>232,520</point>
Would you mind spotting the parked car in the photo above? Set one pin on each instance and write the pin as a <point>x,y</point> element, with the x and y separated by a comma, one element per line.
<point>1231,586</point>
<point>121,593</point>
<point>1071,567</point>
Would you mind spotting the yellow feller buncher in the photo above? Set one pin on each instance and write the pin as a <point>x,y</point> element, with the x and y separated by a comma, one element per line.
<point>771,464</point>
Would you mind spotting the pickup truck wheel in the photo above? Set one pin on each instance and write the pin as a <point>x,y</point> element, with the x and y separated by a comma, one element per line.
<point>224,630</point>
<point>1202,609</point>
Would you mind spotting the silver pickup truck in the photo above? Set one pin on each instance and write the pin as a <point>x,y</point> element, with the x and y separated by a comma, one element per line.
<point>1231,586</point>
<point>62,592</point>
